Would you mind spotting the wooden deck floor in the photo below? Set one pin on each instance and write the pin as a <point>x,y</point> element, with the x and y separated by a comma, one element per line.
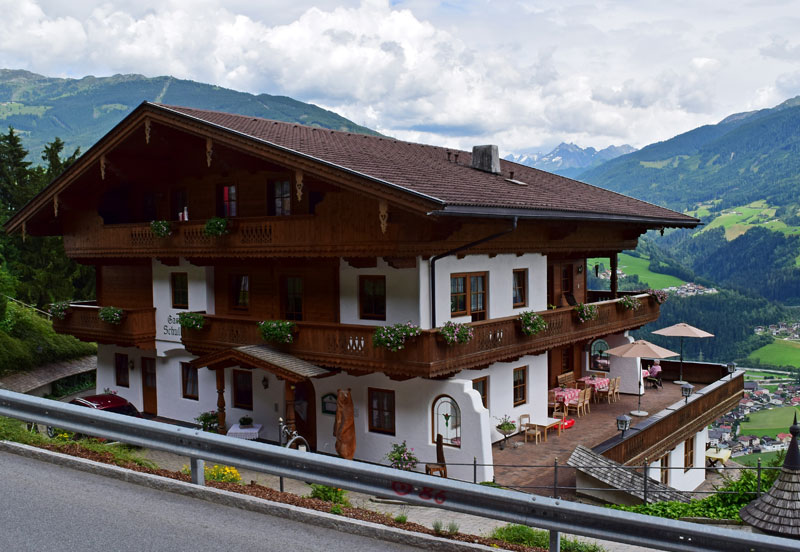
<point>589,430</point>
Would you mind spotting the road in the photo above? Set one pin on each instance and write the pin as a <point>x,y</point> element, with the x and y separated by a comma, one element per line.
<point>46,507</point>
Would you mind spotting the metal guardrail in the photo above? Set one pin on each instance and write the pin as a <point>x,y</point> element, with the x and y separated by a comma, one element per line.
<point>510,506</point>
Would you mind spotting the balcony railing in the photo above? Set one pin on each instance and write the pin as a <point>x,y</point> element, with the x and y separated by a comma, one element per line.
<point>137,329</point>
<point>349,347</point>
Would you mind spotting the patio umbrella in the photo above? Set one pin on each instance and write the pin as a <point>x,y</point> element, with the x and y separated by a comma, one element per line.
<point>344,428</point>
<point>641,348</point>
<point>682,329</point>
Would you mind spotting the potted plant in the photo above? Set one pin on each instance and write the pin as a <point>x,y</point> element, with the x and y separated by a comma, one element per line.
<point>110,315</point>
<point>658,294</point>
<point>216,226</point>
<point>191,320</point>
<point>455,332</point>
<point>401,457</point>
<point>629,302</point>
<point>531,323</point>
<point>506,425</point>
<point>585,312</point>
<point>161,228</point>
<point>209,421</point>
<point>245,421</point>
<point>59,310</point>
<point>277,331</point>
<point>394,337</point>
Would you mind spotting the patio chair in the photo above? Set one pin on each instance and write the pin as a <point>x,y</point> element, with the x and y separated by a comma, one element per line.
<point>560,410</point>
<point>654,379</point>
<point>440,466</point>
<point>607,392</point>
<point>529,429</point>
<point>616,389</point>
<point>551,400</point>
<point>578,404</point>
<point>589,394</point>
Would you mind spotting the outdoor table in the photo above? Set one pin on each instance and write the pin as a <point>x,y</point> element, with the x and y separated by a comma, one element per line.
<point>714,455</point>
<point>550,423</point>
<point>566,395</point>
<point>597,383</point>
<point>249,433</point>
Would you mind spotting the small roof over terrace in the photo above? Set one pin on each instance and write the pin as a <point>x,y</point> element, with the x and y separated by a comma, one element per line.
<point>281,364</point>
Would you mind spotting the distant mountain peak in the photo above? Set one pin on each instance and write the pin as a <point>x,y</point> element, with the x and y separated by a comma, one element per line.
<point>568,159</point>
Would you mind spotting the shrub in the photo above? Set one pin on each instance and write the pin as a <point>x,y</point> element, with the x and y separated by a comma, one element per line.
<point>532,323</point>
<point>216,226</point>
<point>452,528</point>
<point>161,228</point>
<point>438,527</point>
<point>59,310</point>
<point>401,518</point>
<point>329,494</point>
<point>629,302</point>
<point>401,457</point>
<point>585,312</point>
<point>336,509</point>
<point>521,534</point>
<point>223,474</point>
<point>277,331</point>
<point>110,315</point>
<point>455,332</point>
<point>209,421</point>
<point>191,320</point>
<point>394,337</point>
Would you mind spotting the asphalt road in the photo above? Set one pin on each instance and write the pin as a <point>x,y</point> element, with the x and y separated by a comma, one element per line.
<point>46,507</point>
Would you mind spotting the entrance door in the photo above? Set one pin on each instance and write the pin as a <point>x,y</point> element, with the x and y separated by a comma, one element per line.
<point>305,412</point>
<point>149,391</point>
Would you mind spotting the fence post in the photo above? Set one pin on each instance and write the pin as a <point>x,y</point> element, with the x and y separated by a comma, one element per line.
<point>555,541</point>
<point>280,480</point>
<point>555,480</point>
<point>759,478</point>
<point>474,469</point>
<point>646,477</point>
<point>198,468</point>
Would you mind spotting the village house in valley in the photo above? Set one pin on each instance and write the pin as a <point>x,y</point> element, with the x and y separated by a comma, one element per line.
<point>341,233</point>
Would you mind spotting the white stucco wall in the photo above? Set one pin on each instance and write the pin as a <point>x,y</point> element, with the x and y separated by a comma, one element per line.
<point>629,370</point>
<point>402,294</point>
<point>201,298</point>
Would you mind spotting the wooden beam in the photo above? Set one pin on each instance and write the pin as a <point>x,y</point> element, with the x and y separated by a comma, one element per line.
<point>362,262</point>
<point>401,262</point>
<point>221,401</point>
<point>288,388</point>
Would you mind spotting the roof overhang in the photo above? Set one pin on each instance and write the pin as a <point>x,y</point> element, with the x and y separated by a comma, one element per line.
<point>264,357</point>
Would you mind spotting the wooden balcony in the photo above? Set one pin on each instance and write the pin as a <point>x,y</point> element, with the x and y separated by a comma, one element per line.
<point>350,347</point>
<point>137,329</point>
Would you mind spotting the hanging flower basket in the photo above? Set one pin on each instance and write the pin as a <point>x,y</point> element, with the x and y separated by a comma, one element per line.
<point>629,302</point>
<point>59,310</point>
<point>394,337</point>
<point>658,294</point>
<point>277,331</point>
<point>191,320</point>
<point>216,226</point>
<point>111,315</point>
<point>585,312</point>
<point>161,228</point>
<point>455,332</point>
<point>531,323</point>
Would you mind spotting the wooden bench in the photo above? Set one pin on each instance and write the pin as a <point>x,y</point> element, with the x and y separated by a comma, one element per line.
<point>567,379</point>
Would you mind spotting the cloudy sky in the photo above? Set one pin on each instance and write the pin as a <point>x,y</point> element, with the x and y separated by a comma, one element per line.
<point>524,74</point>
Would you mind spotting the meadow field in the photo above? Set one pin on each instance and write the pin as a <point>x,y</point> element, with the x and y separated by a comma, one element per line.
<point>769,422</point>
<point>778,353</point>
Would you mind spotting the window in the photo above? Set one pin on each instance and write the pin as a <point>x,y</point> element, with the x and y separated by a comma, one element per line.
<point>481,385</point>
<point>381,410</point>
<point>227,201</point>
<point>121,370</point>
<point>665,469</point>
<point>520,283</point>
<point>566,360</point>
<point>468,295</point>
<point>240,296</point>
<point>280,198</point>
<point>180,202</point>
<point>566,279</point>
<point>293,298</point>
<point>243,389</point>
<point>180,290</point>
<point>688,454</point>
<point>599,358</point>
<point>447,421</point>
<point>189,381</point>
<point>372,297</point>
<point>520,385</point>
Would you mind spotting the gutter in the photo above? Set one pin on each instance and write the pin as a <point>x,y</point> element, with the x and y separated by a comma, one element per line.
<point>433,260</point>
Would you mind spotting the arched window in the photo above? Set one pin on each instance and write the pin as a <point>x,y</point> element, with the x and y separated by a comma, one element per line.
<point>447,420</point>
<point>599,358</point>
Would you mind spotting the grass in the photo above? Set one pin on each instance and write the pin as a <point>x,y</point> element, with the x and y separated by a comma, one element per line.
<point>521,534</point>
<point>779,353</point>
<point>752,459</point>
<point>769,422</point>
<point>640,266</point>
<point>759,375</point>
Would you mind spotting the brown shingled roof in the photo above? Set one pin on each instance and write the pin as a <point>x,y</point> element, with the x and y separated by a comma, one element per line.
<point>425,169</point>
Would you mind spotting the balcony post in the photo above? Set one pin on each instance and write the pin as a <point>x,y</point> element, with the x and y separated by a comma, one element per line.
<point>221,400</point>
<point>289,396</point>
<point>614,264</point>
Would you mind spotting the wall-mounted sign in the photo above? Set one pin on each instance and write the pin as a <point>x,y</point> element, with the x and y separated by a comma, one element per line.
<point>329,403</point>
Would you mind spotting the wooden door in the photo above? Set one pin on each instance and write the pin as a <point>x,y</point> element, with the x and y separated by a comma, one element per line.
<point>305,412</point>
<point>149,390</point>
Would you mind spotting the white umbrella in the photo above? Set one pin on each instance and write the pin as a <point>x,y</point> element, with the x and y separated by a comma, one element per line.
<point>641,348</point>
<point>682,329</point>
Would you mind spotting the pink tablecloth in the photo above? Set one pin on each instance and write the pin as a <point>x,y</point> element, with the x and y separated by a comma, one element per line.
<point>645,373</point>
<point>597,383</point>
<point>569,394</point>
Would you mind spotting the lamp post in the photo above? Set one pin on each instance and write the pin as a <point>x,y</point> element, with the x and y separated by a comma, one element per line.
<point>686,391</point>
<point>731,369</point>
<point>623,423</point>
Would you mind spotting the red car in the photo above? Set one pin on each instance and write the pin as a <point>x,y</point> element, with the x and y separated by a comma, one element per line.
<point>107,401</point>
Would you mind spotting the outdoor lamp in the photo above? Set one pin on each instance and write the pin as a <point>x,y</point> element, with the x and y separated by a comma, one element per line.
<point>623,423</point>
<point>265,382</point>
<point>731,369</point>
<point>686,391</point>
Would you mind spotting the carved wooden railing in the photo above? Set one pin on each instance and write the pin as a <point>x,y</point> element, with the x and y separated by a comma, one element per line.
<point>349,346</point>
<point>137,329</point>
<point>664,430</point>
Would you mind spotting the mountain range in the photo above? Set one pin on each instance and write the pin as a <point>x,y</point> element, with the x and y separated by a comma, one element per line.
<point>569,160</point>
<point>80,111</point>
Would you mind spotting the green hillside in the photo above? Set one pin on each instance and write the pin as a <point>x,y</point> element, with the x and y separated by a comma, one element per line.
<point>640,267</point>
<point>80,111</point>
<point>779,353</point>
<point>769,422</point>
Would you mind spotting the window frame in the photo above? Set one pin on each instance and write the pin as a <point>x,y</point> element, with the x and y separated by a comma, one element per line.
<point>228,208</point>
<point>567,278</point>
<point>567,359</point>
<point>285,302</point>
<point>173,287</point>
<point>485,394</point>
<point>688,454</point>
<point>665,469</point>
<point>523,287</point>
<point>469,293</point>
<point>524,385</point>
<point>363,299</point>
<point>371,391</point>
<point>235,389</point>
<point>120,368</point>
<point>456,422</point>
<point>275,192</point>
<point>186,375</point>
<point>235,289</point>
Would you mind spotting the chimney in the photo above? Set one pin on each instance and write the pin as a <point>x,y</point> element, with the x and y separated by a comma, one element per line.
<point>486,158</point>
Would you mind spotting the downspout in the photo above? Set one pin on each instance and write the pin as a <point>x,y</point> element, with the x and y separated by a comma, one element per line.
<point>452,252</point>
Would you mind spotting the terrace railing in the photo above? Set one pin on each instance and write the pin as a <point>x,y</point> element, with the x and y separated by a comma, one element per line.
<point>137,328</point>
